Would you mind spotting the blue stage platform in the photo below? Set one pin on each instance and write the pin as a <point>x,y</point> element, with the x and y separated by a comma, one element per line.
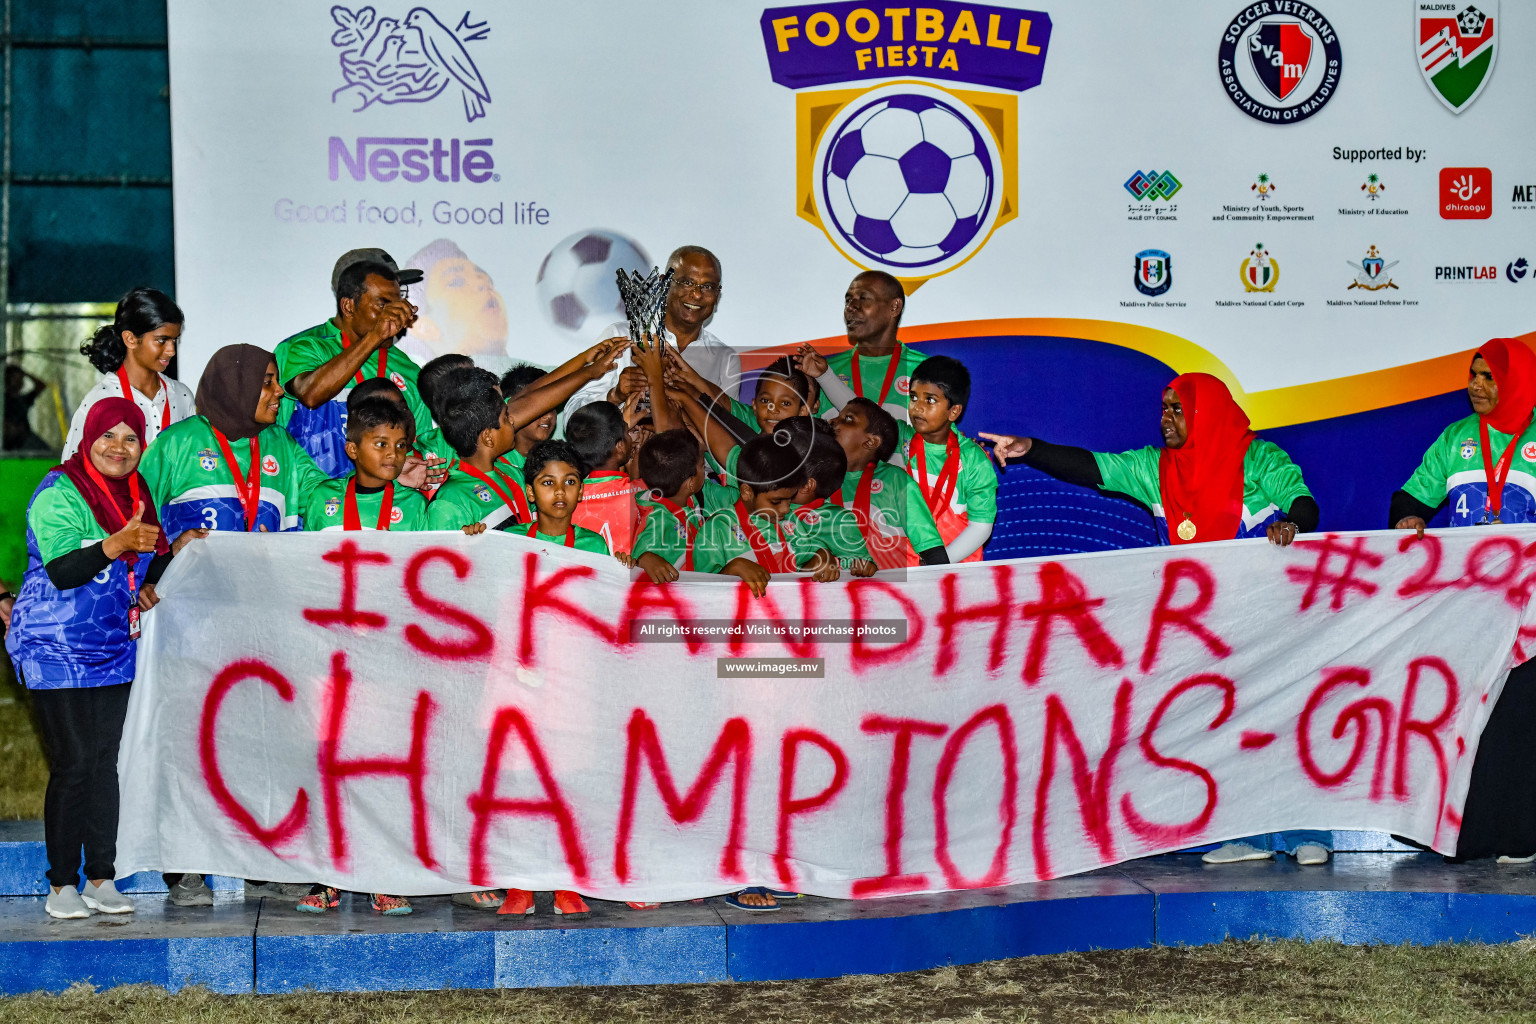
<point>1373,891</point>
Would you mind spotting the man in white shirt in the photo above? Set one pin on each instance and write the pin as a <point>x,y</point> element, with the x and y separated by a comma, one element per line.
<point>690,303</point>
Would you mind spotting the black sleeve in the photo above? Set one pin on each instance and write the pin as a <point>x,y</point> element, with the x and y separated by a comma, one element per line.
<point>1072,465</point>
<point>157,567</point>
<point>76,568</point>
<point>1404,505</point>
<point>1304,513</point>
<point>719,410</point>
<point>933,556</point>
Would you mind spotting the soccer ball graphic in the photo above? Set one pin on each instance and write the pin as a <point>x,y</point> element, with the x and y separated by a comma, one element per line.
<point>908,181</point>
<point>576,288</point>
<point>1470,21</point>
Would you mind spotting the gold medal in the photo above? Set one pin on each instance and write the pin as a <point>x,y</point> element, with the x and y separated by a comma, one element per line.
<point>1187,529</point>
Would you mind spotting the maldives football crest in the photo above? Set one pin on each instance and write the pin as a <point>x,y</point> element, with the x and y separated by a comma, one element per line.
<point>1280,68</point>
<point>1457,49</point>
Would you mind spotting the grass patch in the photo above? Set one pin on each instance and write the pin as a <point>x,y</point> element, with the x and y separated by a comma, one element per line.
<point>23,770</point>
<point>1235,981</point>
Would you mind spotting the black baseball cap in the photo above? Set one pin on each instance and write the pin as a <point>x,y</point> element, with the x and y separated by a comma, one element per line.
<point>408,276</point>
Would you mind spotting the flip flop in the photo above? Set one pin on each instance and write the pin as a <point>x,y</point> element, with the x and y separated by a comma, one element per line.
<point>780,894</point>
<point>734,900</point>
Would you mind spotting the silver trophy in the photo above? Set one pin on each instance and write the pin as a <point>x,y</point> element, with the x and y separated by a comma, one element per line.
<point>645,302</point>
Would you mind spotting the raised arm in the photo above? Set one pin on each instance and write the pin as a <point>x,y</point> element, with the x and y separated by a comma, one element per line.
<point>549,391</point>
<point>717,436</point>
<point>1064,462</point>
<point>314,388</point>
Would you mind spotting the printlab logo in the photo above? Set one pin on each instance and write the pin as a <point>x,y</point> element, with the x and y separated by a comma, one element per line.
<point>1516,270</point>
<point>1154,272</point>
<point>1281,69</point>
<point>1153,186</point>
<point>1373,187</point>
<point>1466,193</point>
<point>415,60</point>
<point>1260,272</point>
<point>1263,186</point>
<point>1456,53</point>
<point>914,175</point>
<point>1372,272</point>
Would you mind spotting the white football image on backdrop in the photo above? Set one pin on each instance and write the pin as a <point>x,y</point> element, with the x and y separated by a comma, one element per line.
<point>576,287</point>
<point>908,181</point>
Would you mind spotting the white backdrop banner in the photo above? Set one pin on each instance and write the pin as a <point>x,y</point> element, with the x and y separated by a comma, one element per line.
<point>429,713</point>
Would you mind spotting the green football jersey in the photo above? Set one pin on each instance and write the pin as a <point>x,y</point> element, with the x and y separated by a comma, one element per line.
<point>719,542</point>
<point>186,471</point>
<point>820,524</point>
<point>900,525</point>
<point>326,507</point>
<point>871,376</point>
<point>464,499</point>
<point>666,529</point>
<point>581,538</point>
<point>975,495</point>
<point>323,431</point>
<point>1453,471</point>
<point>432,442</point>
<point>1271,483</point>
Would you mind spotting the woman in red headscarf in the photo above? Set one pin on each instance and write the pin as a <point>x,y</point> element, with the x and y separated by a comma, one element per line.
<point>1212,479</point>
<point>94,552</point>
<point>1483,467</point>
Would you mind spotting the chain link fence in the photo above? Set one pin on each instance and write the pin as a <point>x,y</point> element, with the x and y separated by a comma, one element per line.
<point>45,374</point>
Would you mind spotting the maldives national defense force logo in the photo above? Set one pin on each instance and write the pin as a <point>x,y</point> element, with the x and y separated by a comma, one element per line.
<point>414,59</point>
<point>910,175</point>
<point>1280,61</point>
<point>1457,47</point>
<point>1373,272</point>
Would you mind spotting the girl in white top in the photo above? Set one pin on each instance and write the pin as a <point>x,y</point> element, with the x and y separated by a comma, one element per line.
<point>133,351</point>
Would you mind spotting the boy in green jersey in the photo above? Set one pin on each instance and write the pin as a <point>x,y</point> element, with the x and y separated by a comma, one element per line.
<point>552,477</point>
<point>675,533</point>
<point>895,523</point>
<point>513,383</point>
<point>825,538</point>
<point>367,498</point>
<point>953,473</point>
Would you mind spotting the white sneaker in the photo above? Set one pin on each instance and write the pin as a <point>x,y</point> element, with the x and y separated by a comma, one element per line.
<point>1311,854</point>
<point>66,903</point>
<point>1233,853</point>
<point>1516,860</point>
<point>106,899</point>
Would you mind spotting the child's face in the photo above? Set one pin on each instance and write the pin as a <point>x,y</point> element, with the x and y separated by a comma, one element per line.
<point>775,401</point>
<point>380,453</point>
<point>774,503</point>
<point>851,428</point>
<point>556,489</point>
<point>504,437</point>
<point>929,410</point>
<point>533,433</point>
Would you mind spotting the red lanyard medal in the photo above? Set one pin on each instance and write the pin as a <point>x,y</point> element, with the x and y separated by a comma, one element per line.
<point>685,524</point>
<point>766,557</point>
<point>351,519</point>
<point>1496,475</point>
<point>131,557</point>
<point>570,534</point>
<point>890,374</point>
<point>383,358</point>
<point>949,475</point>
<point>519,506</point>
<point>249,489</point>
<point>165,413</point>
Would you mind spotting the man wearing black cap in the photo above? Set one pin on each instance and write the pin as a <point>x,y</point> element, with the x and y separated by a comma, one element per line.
<point>318,367</point>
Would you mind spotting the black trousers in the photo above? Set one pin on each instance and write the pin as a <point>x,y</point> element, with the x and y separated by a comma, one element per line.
<point>81,729</point>
<point>1500,814</point>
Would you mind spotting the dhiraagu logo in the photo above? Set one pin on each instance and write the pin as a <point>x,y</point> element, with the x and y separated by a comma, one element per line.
<point>909,175</point>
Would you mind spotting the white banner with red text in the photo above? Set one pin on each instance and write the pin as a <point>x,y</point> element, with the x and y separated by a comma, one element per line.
<point>427,713</point>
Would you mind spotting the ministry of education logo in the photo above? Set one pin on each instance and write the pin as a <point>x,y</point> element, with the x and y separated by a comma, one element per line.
<point>414,59</point>
<point>1372,272</point>
<point>1457,49</point>
<point>1373,186</point>
<point>1154,272</point>
<point>1259,271</point>
<point>1280,68</point>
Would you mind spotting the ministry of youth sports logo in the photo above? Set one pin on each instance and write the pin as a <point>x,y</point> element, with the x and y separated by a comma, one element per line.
<point>414,59</point>
<point>1280,68</point>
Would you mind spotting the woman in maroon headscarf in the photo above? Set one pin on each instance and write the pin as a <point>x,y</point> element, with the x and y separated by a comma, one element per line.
<point>1484,467</point>
<point>94,552</point>
<point>1212,479</point>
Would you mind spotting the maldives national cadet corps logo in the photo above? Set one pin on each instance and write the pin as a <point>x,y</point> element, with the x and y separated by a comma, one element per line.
<point>913,175</point>
<point>411,60</point>
<point>1154,271</point>
<point>1260,271</point>
<point>1280,68</point>
<point>1457,50</point>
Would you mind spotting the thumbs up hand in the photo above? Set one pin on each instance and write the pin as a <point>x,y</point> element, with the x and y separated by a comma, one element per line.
<point>136,535</point>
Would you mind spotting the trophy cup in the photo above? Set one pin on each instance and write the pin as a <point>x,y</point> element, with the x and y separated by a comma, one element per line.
<point>645,302</point>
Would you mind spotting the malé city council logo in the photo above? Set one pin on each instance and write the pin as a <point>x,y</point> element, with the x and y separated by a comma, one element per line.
<point>1280,62</point>
<point>910,175</point>
<point>414,59</point>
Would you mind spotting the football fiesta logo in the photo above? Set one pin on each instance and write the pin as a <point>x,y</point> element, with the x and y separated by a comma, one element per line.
<point>906,172</point>
<point>1280,61</point>
<point>1457,47</point>
<point>413,59</point>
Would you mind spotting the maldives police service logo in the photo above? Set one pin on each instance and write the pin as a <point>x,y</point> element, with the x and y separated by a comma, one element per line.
<point>1260,272</point>
<point>414,59</point>
<point>1153,272</point>
<point>1280,61</point>
<point>1457,48</point>
<point>911,175</point>
<point>208,459</point>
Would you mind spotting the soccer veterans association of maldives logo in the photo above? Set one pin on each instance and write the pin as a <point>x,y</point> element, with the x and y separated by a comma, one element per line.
<point>1280,61</point>
<point>414,59</point>
<point>1154,271</point>
<point>910,175</point>
<point>1260,271</point>
<point>1457,47</point>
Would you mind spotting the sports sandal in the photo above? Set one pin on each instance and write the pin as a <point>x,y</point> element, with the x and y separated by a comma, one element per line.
<point>734,900</point>
<point>518,901</point>
<point>389,906</point>
<point>485,899</point>
<point>570,905</point>
<point>782,894</point>
<point>320,899</point>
